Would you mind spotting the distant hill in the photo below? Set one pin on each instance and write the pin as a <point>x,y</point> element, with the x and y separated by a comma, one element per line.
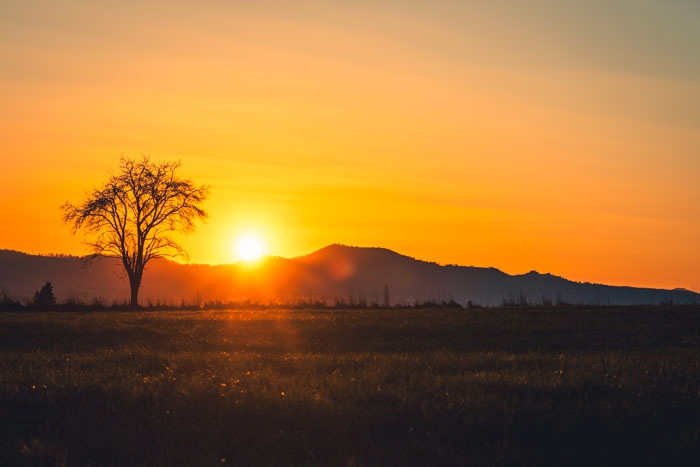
<point>332,274</point>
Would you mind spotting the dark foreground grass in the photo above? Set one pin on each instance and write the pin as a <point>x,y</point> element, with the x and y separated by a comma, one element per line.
<point>401,387</point>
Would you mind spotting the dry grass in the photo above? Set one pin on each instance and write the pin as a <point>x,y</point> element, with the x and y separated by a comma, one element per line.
<point>360,387</point>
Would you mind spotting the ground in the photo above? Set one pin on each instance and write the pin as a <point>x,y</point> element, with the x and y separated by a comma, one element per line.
<point>575,386</point>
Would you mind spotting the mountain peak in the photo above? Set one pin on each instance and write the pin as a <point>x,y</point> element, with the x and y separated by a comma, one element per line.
<point>337,250</point>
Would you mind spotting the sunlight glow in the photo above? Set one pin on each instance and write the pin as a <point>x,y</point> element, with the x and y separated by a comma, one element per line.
<point>250,247</point>
<point>556,136</point>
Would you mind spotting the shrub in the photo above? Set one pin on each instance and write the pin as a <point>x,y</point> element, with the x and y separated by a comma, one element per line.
<point>8,304</point>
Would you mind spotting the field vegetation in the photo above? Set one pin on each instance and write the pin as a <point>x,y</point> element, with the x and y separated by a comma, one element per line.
<point>573,386</point>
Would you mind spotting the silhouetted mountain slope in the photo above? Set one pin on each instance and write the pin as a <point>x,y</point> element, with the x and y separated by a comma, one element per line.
<point>334,273</point>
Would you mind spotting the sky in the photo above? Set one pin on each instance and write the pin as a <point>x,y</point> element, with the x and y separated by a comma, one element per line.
<point>562,137</point>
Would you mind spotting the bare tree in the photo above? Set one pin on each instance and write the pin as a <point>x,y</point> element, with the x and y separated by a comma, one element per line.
<point>134,213</point>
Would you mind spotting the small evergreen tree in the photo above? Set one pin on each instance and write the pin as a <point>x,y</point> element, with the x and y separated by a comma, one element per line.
<point>45,297</point>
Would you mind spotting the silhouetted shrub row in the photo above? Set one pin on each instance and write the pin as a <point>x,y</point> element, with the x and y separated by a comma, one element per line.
<point>72,304</point>
<point>45,300</point>
<point>9,304</point>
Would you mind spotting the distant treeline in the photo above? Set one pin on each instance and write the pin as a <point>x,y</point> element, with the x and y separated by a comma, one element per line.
<point>9,304</point>
<point>45,300</point>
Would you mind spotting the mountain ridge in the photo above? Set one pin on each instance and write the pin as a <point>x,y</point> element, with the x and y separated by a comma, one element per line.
<point>333,274</point>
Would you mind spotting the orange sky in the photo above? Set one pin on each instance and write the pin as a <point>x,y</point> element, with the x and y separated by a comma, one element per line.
<point>560,138</point>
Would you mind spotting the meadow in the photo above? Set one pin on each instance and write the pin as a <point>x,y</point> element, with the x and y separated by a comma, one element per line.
<point>550,386</point>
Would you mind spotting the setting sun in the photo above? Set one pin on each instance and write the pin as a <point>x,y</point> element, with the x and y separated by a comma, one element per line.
<point>250,247</point>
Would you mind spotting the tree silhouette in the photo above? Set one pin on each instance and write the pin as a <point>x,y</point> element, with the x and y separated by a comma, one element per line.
<point>134,213</point>
<point>44,297</point>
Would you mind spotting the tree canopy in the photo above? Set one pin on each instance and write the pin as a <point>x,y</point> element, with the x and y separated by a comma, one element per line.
<point>134,214</point>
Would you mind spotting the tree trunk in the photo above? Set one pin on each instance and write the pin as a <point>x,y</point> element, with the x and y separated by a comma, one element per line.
<point>134,283</point>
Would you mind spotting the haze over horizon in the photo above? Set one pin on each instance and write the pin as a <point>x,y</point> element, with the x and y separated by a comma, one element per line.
<point>561,137</point>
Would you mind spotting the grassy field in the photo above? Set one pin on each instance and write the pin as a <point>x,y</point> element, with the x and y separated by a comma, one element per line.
<point>362,387</point>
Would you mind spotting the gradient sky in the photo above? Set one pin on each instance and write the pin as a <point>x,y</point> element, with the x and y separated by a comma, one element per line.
<point>557,136</point>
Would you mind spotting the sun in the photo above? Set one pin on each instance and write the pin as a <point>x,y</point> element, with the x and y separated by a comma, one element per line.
<point>250,247</point>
